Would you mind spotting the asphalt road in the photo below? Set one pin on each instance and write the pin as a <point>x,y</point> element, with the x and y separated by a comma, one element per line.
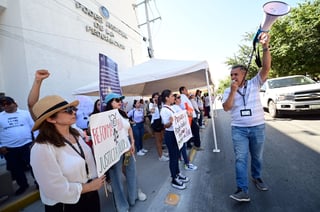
<point>291,170</point>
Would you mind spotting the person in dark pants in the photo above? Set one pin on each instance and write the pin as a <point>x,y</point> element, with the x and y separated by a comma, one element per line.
<point>62,162</point>
<point>187,105</point>
<point>166,113</point>
<point>15,141</point>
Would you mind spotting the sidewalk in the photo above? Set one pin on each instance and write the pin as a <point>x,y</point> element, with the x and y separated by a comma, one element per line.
<point>153,178</point>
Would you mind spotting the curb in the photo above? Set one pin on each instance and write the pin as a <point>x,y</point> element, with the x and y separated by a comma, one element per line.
<point>22,202</point>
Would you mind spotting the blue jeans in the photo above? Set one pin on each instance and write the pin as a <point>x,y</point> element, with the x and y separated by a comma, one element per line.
<point>183,152</point>
<point>138,133</point>
<point>119,194</point>
<point>245,140</point>
<point>174,153</point>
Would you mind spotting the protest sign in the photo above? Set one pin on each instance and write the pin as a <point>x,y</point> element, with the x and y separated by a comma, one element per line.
<point>109,139</point>
<point>181,127</point>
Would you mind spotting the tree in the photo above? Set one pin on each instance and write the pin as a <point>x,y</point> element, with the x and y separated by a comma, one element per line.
<point>295,44</point>
<point>296,41</point>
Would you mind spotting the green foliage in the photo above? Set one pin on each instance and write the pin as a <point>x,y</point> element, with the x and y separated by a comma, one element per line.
<point>296,41</point>
<point>223,84</point>
<point>295,45</point>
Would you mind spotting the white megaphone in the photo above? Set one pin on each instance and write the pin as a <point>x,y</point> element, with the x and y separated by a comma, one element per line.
<point>272,10</point>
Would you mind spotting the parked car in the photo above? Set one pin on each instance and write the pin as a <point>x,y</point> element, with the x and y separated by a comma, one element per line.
<point>290,94</point>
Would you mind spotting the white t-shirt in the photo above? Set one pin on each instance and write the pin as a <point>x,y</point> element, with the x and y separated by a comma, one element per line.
<point>15,128</point>
<point>252,100</point>
<point>165,113</point>
<point>155,114</point>
<point>184,99</point>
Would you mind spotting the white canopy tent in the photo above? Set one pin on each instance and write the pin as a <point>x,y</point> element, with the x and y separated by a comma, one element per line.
<point>156,75</point>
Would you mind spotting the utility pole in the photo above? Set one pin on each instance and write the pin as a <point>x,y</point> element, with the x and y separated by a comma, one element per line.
<point>150,47</point>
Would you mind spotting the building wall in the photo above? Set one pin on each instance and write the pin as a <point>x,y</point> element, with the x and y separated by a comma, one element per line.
<point>57,35</point>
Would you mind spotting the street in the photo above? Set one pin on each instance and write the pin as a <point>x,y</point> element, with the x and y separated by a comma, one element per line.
<point>291,170</point>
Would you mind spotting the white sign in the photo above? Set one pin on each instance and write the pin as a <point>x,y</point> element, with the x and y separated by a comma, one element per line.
<point>109,139</point>
<point>181,127</point>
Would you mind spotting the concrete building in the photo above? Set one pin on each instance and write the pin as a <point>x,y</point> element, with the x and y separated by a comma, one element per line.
<point>65,37</point>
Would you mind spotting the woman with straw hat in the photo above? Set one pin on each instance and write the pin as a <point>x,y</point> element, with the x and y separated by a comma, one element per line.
<point>62,162</point>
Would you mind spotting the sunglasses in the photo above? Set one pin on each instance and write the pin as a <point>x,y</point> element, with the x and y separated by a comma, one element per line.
<point>70,110</point>
<point>178,97</point>
<point>117,100</point>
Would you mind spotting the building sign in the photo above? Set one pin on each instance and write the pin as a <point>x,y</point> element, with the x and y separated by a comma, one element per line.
<point>101,28</point>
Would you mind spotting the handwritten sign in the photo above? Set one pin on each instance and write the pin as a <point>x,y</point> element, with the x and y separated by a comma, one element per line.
<point>181,127</point>
<point>109,139</point>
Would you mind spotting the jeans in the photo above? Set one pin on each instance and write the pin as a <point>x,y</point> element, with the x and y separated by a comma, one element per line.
<point>119,194</point>
<point>131,180</point>
<point>138,133</point>
<point>174,153</point>
<point>183,152</point>
<point>245,140</point>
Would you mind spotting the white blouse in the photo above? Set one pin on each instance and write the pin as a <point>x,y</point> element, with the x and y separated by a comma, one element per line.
<point>60,171</point>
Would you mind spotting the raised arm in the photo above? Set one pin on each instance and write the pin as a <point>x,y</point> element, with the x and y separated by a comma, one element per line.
<point>34,93</point>
<point>266,58</point>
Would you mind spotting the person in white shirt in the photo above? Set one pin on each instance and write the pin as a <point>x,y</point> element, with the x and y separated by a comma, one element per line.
<point>157,125</point>
<point>15,140</point>
<point>187,165</point>
<point>178,180</point>
<point>201,109</point>
<point>187,105</point>
<point>242,99</point>
<point>63,164</point>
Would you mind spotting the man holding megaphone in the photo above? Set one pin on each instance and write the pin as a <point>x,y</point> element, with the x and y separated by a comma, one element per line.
<point>242,99</point>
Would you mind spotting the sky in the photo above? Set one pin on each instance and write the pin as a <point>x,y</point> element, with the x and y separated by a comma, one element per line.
<point>210,30</point>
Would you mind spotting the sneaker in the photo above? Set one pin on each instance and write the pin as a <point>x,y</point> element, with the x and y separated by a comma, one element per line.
<point>163,158</point>
<point>240,196</point>
<point>198,148</point>
<point>165,154</point>
<point>183,178</point>
<point>140,153</point>
<point>144,150</point>
<point>260,184</point>
<point>202,127</point>
<point>190,167</point>
<point>176,183</point>
<point>141,196</point>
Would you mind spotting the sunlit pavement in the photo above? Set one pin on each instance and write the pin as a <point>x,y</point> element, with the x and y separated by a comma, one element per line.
<point>291,171</point>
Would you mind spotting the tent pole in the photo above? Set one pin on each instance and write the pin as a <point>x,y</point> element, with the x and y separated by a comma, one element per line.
<point>212,116</point>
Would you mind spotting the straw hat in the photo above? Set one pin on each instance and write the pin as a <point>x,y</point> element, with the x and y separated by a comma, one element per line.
<point>47,106</point>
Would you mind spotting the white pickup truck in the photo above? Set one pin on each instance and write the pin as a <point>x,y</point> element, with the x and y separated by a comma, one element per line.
<point>290,94</point>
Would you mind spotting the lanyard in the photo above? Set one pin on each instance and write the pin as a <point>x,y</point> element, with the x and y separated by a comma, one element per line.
<point>168,108</point>
<point>243,94</point>
<point>81,153</point>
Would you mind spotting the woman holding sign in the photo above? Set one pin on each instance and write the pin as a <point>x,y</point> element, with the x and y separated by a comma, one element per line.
<point>166,114</point>
<point>62,162</point>
<point>114,101</point>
